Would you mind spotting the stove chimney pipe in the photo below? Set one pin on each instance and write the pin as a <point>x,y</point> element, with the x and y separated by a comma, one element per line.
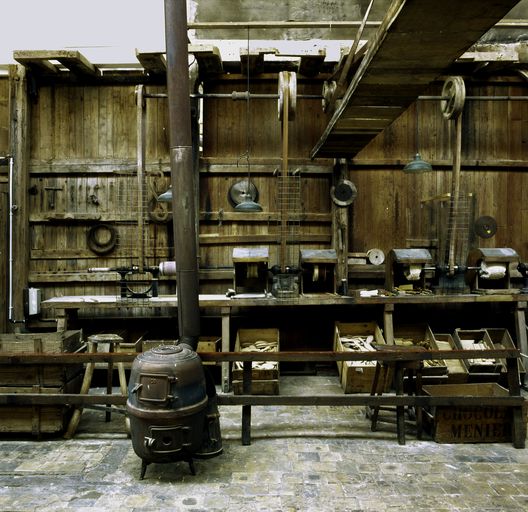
<point>182,175</point>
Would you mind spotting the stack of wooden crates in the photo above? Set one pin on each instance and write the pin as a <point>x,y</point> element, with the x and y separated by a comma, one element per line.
<point>49,379</point>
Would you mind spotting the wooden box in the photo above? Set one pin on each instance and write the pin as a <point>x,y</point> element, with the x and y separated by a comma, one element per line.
<point>466,339</point>
<point>501,338</point>
<point>265,378</point>
<point>209,344</point>
<point>470,424</point>
<point>40,419</point>
<point>356,376</point>
<point>420,335</point>
<point>43,375</point>
<point>456,369</point>
<point>250,270</point>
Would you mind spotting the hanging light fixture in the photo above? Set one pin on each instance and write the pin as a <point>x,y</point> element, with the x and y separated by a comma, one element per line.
<point>248,203</point>
<point>417,164</point>
<point>166,197</point>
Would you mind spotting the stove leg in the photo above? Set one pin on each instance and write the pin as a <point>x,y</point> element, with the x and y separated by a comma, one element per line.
<point>191,466</point>
<point>144,465</point>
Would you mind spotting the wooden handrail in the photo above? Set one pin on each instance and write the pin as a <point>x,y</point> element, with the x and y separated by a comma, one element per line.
<point>33,358</point>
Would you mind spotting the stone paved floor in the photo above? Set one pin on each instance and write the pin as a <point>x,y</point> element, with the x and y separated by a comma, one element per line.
<point>301,459</point>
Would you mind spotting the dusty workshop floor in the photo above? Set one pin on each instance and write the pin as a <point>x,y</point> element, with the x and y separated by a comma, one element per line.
<point>300,459</point>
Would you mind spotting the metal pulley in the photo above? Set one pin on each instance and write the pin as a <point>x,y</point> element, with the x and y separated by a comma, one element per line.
<point>287,85</point>
<point>241,190</point>
<point>485,226</point>
<point>344,193</point>
<point>454,92</point>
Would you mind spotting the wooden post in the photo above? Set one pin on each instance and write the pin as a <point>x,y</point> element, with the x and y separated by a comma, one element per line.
<point>518,425</point>
<point>520,329</point>
<point>388,323</point>
<point>284,177</point>
<point>340,226</point>
<point>246,409</point>
<point>400,409</point>
<point>19,148</point>
<point>226,381</point>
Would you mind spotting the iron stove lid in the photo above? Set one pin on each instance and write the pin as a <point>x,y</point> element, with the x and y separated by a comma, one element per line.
<point>172,352</point>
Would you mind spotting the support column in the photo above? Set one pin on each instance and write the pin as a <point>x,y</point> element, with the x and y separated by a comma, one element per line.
<point>520,331</point>
<point>226,381</point>
<point>19,149</point>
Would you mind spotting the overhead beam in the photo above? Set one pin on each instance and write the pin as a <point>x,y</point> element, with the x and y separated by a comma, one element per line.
<point>417,41</point>
<point>72,60</point>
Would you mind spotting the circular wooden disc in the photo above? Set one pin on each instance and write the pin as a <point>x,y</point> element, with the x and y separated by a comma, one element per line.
<point>455,92</point>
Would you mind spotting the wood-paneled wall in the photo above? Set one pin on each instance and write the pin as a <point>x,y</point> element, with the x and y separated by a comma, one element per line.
<point>494,164</point>
<point>84,142</point>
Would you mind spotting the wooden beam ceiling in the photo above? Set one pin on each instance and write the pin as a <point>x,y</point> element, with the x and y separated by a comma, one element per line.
<point>417,42</point>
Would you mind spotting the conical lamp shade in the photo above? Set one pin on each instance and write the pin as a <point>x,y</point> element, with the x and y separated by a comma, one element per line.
<point>166,197</point>
<point>248,205</point>
<point>417,165</point>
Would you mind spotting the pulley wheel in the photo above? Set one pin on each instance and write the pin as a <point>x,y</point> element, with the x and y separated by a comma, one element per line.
<point>375,256</point>
<point>238,192</point>
<point>287,85</point>
<point>485,226</point>
<point>454,91</point>
<point>344,193</point>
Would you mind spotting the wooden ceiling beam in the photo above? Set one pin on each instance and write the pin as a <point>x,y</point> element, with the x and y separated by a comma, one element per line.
<point>417,41</point>
<point>154,63</point>
<point>208,58</point>
<point>41,61</point>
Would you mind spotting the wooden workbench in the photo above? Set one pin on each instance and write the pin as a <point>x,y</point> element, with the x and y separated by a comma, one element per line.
<point>67,307</point>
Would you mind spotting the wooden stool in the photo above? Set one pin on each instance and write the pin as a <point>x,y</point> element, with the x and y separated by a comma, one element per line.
<point>384,370</point>
<point>113,341</point>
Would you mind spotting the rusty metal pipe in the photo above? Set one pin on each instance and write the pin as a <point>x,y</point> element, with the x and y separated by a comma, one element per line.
<point>182,175</point>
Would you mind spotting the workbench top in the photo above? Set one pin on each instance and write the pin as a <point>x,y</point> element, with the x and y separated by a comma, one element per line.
<point>323,299</point>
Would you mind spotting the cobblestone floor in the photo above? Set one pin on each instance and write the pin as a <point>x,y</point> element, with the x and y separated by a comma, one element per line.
<point>301,459</point>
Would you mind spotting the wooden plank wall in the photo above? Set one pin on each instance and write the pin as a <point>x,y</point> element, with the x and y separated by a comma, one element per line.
<point>388,209</point>
<point>226,140</point>
<point>83,142</point>
<point>84,145</point>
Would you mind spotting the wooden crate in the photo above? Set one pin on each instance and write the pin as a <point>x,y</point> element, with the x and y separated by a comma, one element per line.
<point>356,376</point>
<point>470,424</point>
<point>265,381</point>
<point>43,375</point>
<point>474,338</point>
<point>38,419</point>
<point>209,344</point>
<point>501,338</point>
<point>456,370</point>
<point>420,335</point>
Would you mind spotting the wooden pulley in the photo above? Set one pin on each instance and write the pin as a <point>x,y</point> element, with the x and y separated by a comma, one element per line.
<point>454,91</point>
<point>375,256</point>
<point>287,85</point>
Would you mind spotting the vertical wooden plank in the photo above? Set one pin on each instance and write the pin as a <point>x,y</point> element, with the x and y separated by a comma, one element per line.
<point>20,136</point>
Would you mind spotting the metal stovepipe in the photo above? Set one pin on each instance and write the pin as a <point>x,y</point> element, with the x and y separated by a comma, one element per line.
<point>182,175</point>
